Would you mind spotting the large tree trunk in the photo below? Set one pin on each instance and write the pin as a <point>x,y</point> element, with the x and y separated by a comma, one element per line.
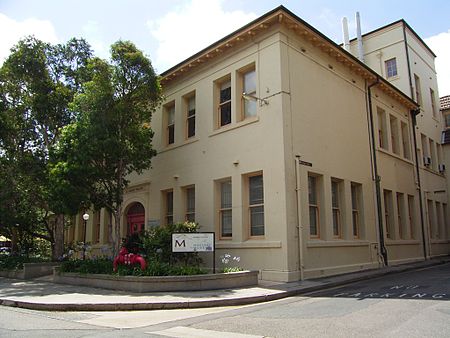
<point>58,235</point>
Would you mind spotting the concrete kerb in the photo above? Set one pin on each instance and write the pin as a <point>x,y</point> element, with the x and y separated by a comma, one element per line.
<point>326,283</point>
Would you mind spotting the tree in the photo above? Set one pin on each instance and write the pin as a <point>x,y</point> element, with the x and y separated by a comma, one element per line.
<point>112,136</point>
<point>37,83</point>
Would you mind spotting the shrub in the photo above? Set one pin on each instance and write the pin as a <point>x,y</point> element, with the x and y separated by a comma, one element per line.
<point>101,265</point>
<point>10,262</point>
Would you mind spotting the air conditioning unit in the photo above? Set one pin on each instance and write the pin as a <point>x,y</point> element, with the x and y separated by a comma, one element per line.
<point>441,168</point>
<point>427,160</point>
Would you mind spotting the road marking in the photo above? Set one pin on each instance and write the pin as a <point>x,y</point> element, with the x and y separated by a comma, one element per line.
<point>188,332</point>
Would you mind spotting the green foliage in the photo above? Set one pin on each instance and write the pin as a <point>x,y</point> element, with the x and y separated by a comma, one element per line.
<point>11,262</point>
<point>157,244</point>
<point>231,269</point>
<point>95,266</point>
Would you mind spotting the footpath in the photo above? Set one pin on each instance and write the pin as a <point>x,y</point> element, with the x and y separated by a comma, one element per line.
<point>43,294</point>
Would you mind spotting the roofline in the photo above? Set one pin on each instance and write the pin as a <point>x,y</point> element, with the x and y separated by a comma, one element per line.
<point>402,21</point>
<point>286,11</point>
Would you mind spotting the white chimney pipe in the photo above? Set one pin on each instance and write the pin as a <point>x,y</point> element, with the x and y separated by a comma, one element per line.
<point>359,38</point>
<point>345,34</point>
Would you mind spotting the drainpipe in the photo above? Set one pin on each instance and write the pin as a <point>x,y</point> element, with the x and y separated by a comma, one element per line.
<point>414,113</point>
<point>299,218</point>
<point>377,178</point>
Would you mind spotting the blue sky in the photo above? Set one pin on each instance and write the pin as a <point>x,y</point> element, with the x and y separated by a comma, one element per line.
<point>170,30</point>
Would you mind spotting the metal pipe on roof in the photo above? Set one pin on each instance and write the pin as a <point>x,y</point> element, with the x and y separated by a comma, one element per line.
<point>345,34</point>
<point>359,38</point>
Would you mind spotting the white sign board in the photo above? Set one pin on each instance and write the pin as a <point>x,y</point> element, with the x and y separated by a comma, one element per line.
<point>193,242</point>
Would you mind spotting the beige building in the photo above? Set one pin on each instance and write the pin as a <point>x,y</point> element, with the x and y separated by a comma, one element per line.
<point>274,137</point>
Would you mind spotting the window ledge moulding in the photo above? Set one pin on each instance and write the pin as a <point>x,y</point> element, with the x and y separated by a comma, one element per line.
<point>232,126</point>
<point>392,242</point>
<point>250,244</point>
<point>336,243</point>
<point>440,241</point>
<point>398,157</point>
<point>185,143</point>
<point>432,171</point>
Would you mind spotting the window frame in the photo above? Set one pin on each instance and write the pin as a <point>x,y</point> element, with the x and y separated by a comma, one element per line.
<point>391,68</point>
<point>401,217</point>
<point>382,129</point>
<point>250,206</point>
<point>221,209</point>
<point>388,210</point>
<point>169,128</point>
<point>168,214</point>
<point>188,213</point>
<point>411,216</point>
<point>190,118</point>
<point>220,104</point>
<point>316,207</point>
<point>336,207</point>
<point>242,73</point>
<point>356,199</point>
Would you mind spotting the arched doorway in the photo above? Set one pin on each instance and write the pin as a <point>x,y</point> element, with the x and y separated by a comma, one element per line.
<point>135,218</point>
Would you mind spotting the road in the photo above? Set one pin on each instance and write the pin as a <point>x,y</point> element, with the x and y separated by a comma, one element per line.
<point>410,304</point>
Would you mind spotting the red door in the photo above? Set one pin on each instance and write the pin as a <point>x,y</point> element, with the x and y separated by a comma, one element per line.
<point>136,219</point>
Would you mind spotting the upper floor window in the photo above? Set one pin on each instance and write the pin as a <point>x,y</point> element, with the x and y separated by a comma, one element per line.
<point>391,67</point>
<point>394,135</point>
<point>433,103</point>
<point>170,123</point>
<point>382,135</point>
<point>418,92</point>
<point>447,121</point>
<point>190,116</point>
<point>249,88</point>
<point>224,102</point>
<point>405,141</point>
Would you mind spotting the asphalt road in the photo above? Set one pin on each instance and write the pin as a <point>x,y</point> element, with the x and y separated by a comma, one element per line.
<point>410,304</point>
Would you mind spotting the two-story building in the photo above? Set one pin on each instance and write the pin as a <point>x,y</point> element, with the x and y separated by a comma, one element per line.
<point>300,157</point>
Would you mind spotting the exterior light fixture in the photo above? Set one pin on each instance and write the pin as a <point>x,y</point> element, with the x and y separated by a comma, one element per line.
<point>85,218</point>
<point>250,97</point>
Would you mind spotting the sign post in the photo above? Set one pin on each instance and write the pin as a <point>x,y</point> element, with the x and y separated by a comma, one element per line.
<point>195,242</point>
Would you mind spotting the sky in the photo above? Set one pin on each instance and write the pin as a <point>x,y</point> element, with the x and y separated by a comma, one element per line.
<point>169,31</point>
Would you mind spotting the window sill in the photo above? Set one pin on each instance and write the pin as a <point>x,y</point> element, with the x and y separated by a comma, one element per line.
<point>335,243</point>
<point>172,146</point>
<point>247,244</point>
<point>232,126</point>
<point>392,78</point>
<point>402,242</point>
<point>398,157</point>
<point>432,171</point>
<point>440,241</point>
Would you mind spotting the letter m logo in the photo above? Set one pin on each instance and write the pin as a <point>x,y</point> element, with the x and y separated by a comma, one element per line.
<point>180,243</point>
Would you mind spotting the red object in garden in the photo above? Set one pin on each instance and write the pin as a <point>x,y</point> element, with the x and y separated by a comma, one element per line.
<point>125,258</point>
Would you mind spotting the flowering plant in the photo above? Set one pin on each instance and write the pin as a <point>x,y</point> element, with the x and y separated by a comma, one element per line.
<point>228,261</point>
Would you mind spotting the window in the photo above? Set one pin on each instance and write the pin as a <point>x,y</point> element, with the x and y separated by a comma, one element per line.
<point>387,194</point>
<point>96,227</point>
<point>446,220</point>
<point>249,88</point>
<point>394,135</point>
<point>425,153</point>
<point>81,229</point>
<point>168,207</point>
<point>356,209</point>
<point>439,226</point>
<point>391,67</point>
<point>401,215</point>
<point>190,116</point>
<point>433,154</point>
<point>411,216</point>
<point>170,128</point>
<point>256,205</point>
<point>417,85</point>
<point>190,204</point>
<point>433,103</point>
<point>314,221</point>
<point>431,222</point>
<point>405,141</point>
<point>382,136</point>
<point>224,107</point>
<point>335,204</point>
<point>225,211</point>
<point>447,121</point>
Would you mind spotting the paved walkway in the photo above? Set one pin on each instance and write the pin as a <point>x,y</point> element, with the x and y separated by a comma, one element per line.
<point>43,294</point>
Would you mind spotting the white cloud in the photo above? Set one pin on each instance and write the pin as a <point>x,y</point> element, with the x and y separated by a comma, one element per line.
<point>192,27</point>
<point>13,31</point>
<point>94,36</point>
<point>440,45</point>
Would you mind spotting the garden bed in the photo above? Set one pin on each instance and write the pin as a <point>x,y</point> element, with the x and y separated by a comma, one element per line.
<point>30,270</point>
<point>159,283</point>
